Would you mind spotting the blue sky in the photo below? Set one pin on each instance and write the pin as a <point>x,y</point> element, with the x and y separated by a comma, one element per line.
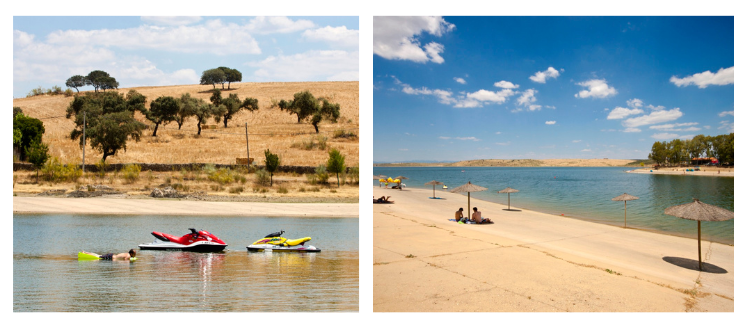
<point>152,51</point>
<point>458,88</point>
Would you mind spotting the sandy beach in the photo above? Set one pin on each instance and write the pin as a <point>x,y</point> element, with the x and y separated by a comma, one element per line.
<point>27,205</point>
<point>534,262</point>
<point>710,171</point>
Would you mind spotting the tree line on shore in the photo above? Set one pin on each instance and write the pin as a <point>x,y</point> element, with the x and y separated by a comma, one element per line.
<point>677,151</point>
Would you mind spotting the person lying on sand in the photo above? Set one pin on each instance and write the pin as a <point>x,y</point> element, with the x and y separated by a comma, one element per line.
<point>476,217</point>
<point>382,199</point>
<point>115,257</point>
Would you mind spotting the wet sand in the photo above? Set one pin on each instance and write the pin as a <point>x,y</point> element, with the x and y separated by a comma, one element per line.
<point>179,207</point>
<point>529,261</point>
<point>729,172</point>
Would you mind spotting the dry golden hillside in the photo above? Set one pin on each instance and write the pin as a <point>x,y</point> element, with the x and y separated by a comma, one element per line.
<point>268,128</point>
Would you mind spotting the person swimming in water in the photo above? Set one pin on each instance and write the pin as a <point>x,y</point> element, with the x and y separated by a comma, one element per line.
<point>114,257</point>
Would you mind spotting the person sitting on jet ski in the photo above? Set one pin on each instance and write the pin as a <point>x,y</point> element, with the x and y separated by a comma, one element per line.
<point>114,257</point>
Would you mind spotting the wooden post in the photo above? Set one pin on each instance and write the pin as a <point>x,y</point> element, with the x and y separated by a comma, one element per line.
<point>468,206</point>
<point>699,243</point>
<point>248,160</point>
<point>625,214</point>
<point>83,143</point>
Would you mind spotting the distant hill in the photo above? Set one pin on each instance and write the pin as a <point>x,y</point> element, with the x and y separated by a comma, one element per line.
<point>519,163</point>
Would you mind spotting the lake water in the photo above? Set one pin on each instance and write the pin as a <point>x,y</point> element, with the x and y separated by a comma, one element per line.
<point>48,277</point>
<point>586,193</point>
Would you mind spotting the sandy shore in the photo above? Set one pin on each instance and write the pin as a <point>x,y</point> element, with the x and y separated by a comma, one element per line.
<point>531,261</point>
<point>730,172</point>
<point>179,207</point>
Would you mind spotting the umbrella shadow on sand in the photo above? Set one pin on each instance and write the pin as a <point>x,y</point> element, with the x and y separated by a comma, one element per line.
<point>694,265</point>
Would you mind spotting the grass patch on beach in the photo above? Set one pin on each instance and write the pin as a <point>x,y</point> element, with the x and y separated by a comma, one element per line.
<point>613,272</point>
<point>410,256</point>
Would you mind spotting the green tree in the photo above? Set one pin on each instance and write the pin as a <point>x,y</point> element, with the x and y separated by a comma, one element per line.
<point>75,82</point>
<point>271,163</point>
<point>677,151</point>
<point>38,153</point>
<point>162,111</point>
<point>31,131</point>
<point>216,98</point>
<point>696,146</point>
<point>327,111</point>
<point>187,106</point>
<point>212,76</point>
<point>233,76</point>
<point>203,110</point>
<point>101,80</point>
<point>336,163</point>
<point>658,153</point>
<point>109,120</point>
<point>234,105</point>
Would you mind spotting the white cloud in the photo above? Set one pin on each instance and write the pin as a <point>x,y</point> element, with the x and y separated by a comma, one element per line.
<point>433,51</point>
<point>468,138</point>
<point>498,132</point>
<point>634,103</point>
<point>656,108</point>
<point>676,127</point>
<point>664,136</point>
<point>506,85</point>
<point>596,89</point>
<point>396,37</point>
<point>503,143</point>
<point>541,77</point>
<point>171,20</point>
<point>723,114</point>
<point>550,107</point>
<point>527,100</point>
<point>702,80</point>
<point>550,122</point>
<point>214,37</point>
<point>655,117</point>
<point>586,149</point>
<point>313,65</point>
<point>485,96</point>
<point>707,127</point>
<point>459,80</point>
<point>339,35</point>
<point>628,130</point>
<point>576,141</point>
<point>727,126</point>
<point>277,24</point>
<point>445,138</point>
<point>621,112</point>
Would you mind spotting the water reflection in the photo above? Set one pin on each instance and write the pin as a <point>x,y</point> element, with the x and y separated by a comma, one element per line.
<point>51,279</point>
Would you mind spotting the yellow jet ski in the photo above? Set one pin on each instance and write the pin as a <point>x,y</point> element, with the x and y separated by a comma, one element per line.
<point>275,243</point>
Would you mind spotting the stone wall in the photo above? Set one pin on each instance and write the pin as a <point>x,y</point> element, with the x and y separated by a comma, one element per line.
<point>178,167</point>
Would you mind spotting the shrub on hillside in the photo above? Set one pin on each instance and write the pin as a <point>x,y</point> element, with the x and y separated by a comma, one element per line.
<point>131,172</point>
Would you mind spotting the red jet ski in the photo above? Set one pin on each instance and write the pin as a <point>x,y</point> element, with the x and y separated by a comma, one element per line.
<point>196,241</point>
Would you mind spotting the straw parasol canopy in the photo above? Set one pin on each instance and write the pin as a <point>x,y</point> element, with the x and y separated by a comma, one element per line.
<point>625,197</point>
<point>468,189</point>
<point>507,191</point>
<point>433,183</point>
<point>699,211</point>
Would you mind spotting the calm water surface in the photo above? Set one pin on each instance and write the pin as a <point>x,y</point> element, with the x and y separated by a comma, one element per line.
<point>48,277</point>
<point>586,193</point>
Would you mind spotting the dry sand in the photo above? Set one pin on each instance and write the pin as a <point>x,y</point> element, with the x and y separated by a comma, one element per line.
<point>178,207</point>
<point>530,261</point>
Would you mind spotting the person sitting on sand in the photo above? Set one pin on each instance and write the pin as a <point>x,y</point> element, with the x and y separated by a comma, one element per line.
<point>476,217</point>
<point>114,257</point>
<point>459,216</point>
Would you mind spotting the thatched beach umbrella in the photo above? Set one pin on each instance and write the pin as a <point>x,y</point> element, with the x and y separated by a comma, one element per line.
<point>507,191</point>
<point>468,189</point>
<point>433,183</point>
<point>400,178</point>
<point>625,197</point>
<point>378,178</point>
<point>699,211</point>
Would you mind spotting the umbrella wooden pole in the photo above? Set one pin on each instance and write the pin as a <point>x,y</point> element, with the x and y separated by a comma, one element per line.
<point>625,214</point>
<point>433,191</point>
<point>508,200</point>
<point>699,243</point>
<point>468,206</point>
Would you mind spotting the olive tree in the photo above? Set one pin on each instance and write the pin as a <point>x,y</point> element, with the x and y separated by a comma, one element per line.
<point>75,82</point>
<point>101,80</point>
<point>162,111</point>
<point>234,105</point>
<point>109,120</point>
<point>212,76</point>
<point>305,105</point>
<point>29,131</point>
